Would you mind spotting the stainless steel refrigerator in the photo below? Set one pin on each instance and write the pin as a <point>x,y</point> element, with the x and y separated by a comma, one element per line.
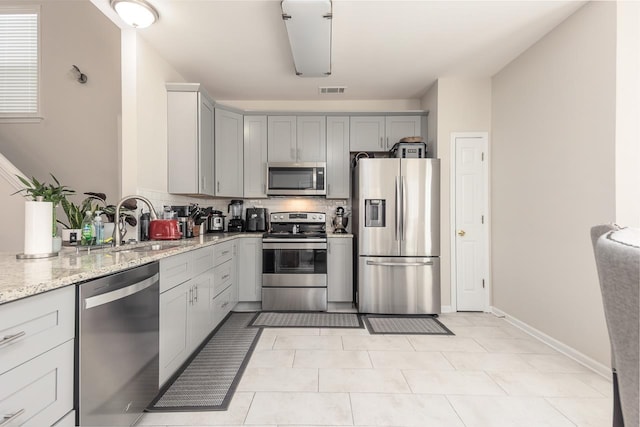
<point>397,217</point>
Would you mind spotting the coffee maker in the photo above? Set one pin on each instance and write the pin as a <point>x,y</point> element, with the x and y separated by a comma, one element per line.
<point>340,221</point>
<point>236,223</point>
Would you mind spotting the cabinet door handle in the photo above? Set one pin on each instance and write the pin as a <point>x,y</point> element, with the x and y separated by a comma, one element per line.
<point>195,294</point>
<point>191,295</point>
<point>10,338</point>
<point>218,186</point>
<point>387,147</point>
<point>6,419</point>
<point>381,143</point>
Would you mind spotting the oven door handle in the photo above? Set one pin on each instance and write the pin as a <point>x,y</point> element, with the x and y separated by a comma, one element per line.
<point>294,240</point>
<point>294,245</point>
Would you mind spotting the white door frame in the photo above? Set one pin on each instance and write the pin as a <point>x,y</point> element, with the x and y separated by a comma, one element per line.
<point>484,137</point>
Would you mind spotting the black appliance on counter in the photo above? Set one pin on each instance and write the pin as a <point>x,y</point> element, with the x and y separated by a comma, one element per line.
<point>236,223</point>
<point>256,219</point>
<point>294,262</point>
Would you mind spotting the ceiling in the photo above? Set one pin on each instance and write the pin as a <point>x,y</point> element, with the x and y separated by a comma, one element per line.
<point>381,49</point>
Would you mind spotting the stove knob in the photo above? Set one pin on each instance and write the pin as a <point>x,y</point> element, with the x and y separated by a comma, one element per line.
<point>281,217</point>
<point>313,217</point>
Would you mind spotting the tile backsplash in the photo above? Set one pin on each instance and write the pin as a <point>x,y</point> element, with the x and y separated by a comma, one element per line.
<point>274,204</point>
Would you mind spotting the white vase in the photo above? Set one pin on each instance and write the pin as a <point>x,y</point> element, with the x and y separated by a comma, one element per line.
<point>38,239</point>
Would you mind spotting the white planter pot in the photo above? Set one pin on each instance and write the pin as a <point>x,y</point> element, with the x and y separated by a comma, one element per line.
<point>68,232</point>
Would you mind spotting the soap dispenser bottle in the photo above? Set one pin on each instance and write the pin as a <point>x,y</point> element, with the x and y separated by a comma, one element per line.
<point>99,228</point>
<point>87,230</point>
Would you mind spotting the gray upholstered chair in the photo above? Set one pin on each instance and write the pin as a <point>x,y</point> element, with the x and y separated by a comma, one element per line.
<point>617,253</point>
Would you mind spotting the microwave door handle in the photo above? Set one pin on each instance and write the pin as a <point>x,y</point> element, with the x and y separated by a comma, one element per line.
<point>315,178</point>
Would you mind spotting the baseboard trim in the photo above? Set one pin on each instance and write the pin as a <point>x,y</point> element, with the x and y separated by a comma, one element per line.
<point>446,309</point>
<point>571,352</point>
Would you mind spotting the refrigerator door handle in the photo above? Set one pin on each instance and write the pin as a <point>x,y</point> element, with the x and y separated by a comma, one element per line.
<point>404,207</point>
<point>400,264</point>
<point>398,208</point>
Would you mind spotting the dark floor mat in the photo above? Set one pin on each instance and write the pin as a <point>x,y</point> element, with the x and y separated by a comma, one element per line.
<point>307,319</point>
<point>405,325</point>
<point>209,379</point>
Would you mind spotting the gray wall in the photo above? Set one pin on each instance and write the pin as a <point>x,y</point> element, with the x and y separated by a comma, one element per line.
<point>553,177</point>
<point>78,139</point>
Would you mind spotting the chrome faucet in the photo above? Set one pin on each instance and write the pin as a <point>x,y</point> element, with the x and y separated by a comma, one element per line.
<point>152,214</point>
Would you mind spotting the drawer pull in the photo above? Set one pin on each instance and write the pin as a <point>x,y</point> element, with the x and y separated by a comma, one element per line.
<point>6,420</point>
<point>226,276</point>
<point>10,338</point>
<point>225,252</point>
<point>223,306</point>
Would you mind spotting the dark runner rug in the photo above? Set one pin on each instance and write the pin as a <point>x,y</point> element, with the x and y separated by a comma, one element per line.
<point>267,319</point>
<point>405,325</point>
<point>209,379</point>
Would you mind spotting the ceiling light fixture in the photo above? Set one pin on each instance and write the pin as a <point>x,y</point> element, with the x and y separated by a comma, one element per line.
<point>137,13</point>
<point>308,24</point>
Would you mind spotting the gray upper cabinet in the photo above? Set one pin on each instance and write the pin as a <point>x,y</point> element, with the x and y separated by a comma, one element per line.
<point>380,133</point>
<point>229,145</point>
<point>338,167</point>
<point>255,156</point>
<point>297,139</point>
<point>397,127</point>
<point>311,144</point>
<point>282,138</point>
<point>190,140</point>
<point>367,133</point>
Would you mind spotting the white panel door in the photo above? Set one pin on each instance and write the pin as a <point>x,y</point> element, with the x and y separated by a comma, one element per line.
<point>470,223</point>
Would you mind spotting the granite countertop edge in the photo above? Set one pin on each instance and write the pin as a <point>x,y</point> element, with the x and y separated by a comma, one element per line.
<point>26,278</point>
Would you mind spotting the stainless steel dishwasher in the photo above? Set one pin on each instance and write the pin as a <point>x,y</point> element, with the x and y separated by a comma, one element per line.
<point>118,345</point>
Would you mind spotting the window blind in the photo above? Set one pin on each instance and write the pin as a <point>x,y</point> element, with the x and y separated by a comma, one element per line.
<point>19,62</point>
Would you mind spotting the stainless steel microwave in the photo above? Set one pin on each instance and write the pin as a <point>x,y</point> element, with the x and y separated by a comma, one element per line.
<point>296,179</point>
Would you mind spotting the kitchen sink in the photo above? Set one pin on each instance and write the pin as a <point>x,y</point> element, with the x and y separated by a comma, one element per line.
<point>153,247</point>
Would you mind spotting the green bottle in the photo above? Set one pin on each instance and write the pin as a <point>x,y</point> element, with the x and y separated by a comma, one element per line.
<point>88,230</point>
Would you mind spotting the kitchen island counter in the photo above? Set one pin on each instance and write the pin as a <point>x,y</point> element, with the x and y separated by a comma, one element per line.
<point>25,278</point>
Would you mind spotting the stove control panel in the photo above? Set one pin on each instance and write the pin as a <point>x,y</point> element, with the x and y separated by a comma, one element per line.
<point>295,217</point>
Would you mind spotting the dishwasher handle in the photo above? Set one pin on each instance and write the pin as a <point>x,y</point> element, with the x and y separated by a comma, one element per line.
<point>108,297</point>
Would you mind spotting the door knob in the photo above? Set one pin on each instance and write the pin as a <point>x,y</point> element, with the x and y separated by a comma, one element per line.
<point>461,233</point>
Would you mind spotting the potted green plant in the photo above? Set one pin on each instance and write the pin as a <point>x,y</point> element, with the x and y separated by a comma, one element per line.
<point>76,213</point>
<point>42,192</point>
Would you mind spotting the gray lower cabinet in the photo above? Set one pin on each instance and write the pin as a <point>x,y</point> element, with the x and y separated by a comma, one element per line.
<point>186,284</point>
<point>338,160</point>
<point>255,157</point>
<point>339,269</point>
<point>250,273</point>
<point>37,358</point>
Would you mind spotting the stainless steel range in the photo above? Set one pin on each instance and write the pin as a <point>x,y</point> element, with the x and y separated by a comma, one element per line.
<point>294,262</point>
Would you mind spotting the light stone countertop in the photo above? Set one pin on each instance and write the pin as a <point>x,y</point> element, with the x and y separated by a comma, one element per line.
<point>24,278</point>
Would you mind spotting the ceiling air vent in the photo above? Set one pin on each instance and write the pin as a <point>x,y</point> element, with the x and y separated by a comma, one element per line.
<point>335,89</point>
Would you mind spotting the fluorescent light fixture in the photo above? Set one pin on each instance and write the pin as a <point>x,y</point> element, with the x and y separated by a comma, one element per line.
<point>308,24</point>
<point>137,13</point>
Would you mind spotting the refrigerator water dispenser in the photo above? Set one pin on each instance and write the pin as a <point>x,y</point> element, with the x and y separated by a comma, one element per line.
<point>374,213</point>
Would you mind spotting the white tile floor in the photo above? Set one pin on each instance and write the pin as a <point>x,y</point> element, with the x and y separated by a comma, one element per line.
<point>490,374</point>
